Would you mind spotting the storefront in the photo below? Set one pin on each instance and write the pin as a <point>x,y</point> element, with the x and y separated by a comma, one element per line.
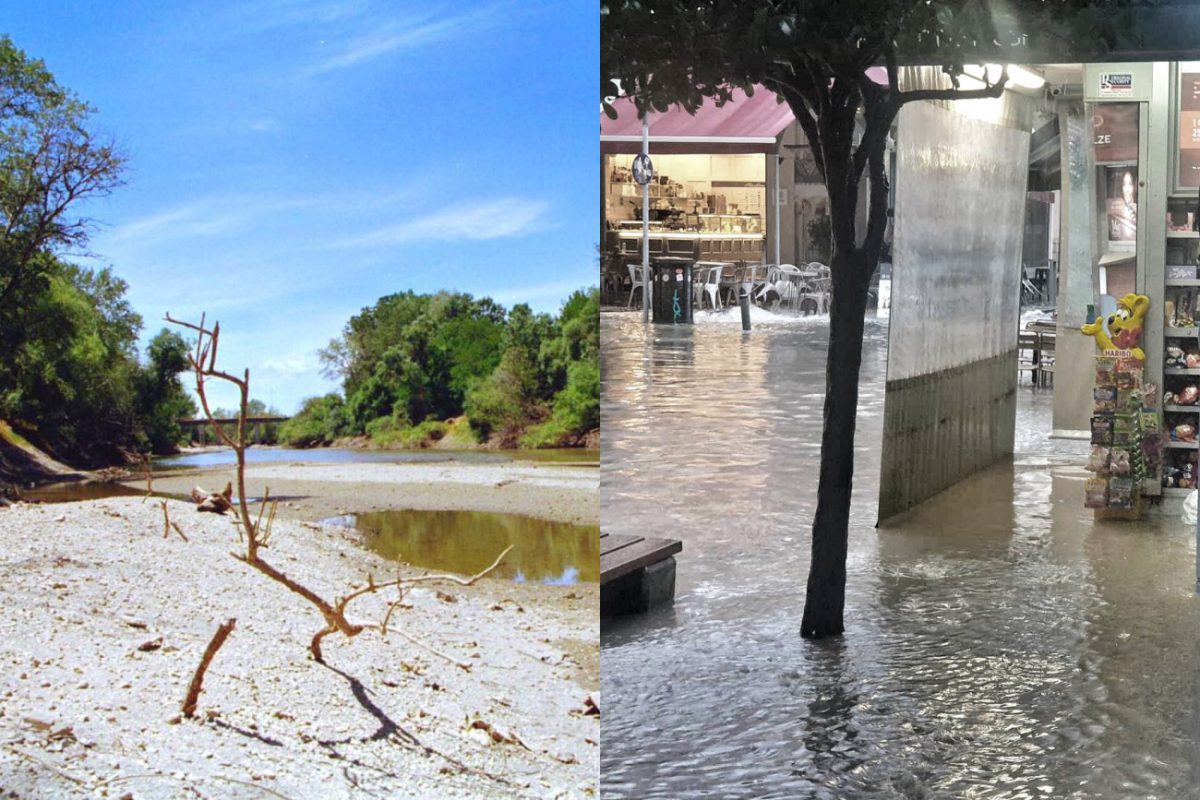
<point>706,207</point>
<point>714,197</point>
<point>1141,159</point>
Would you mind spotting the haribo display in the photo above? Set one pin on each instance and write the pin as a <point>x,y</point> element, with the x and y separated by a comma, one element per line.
<point>1126,429</point>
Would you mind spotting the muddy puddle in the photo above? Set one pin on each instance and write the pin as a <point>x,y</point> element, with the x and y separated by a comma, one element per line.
<point>78,491</point>
<point>468,541</point>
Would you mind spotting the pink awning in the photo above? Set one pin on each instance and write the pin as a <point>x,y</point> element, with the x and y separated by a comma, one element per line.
<point>743,125</point>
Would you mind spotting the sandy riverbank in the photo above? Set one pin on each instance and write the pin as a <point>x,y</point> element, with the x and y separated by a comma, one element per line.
<point>106,620</point>
<point>313,492</point>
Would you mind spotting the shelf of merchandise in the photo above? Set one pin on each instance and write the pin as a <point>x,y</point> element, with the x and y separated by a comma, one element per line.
<point>634,191</point>
<point>1182,336</point>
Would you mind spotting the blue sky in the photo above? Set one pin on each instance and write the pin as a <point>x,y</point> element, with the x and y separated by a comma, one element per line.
<point>291,161</point>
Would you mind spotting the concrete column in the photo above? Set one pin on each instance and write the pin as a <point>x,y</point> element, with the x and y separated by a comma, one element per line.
<point>1073,366</point>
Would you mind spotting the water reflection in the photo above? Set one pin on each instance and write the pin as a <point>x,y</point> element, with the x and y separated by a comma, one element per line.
<point>468,541</point>
<point>79,490</point>
<point>1000,644</point>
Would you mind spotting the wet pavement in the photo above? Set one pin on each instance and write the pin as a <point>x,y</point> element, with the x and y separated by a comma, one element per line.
<point>999,643</point>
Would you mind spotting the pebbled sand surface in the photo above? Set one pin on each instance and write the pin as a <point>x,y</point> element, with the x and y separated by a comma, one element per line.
<point>106,621</point>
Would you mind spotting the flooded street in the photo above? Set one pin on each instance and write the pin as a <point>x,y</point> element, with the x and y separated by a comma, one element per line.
<point>999,643</point>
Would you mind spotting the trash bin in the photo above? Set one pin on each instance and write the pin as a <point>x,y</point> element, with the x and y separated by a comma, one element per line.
<point>672,289</point>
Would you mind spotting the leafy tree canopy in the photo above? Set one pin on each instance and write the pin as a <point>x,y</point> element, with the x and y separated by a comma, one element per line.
<point>412,358</point>
<point>50,161</point>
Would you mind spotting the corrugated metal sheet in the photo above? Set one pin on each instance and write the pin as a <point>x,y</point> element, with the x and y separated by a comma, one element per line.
<point>960,204</point>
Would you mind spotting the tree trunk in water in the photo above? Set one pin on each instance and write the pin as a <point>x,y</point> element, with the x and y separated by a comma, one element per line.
<point>825,598</point>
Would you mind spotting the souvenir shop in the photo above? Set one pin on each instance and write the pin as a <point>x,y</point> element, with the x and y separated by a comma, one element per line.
<point>1144,163</point>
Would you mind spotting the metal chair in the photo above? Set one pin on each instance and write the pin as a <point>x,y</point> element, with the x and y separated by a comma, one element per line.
<point>637,280</point>
<point>816,296</point>
<point>788,285</point>
<point>712,285</point>
<point>771,275</point>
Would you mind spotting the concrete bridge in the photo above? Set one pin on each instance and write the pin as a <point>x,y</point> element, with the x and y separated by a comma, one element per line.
<point>201,429</point>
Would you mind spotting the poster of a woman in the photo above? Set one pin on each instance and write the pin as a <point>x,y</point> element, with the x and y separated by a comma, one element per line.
<point>1122,204</point>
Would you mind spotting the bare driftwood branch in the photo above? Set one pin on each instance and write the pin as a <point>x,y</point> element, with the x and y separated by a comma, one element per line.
<point>255,536</point>
<point>214,644</point>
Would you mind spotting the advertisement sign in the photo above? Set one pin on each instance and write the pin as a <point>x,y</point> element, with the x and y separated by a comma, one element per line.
<point>1121,203</point>
<point>1115,132</point>
<point>1189,129</point>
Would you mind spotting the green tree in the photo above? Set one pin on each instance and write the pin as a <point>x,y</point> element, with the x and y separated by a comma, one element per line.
<point>410,357</point>
<point>578,338</point>
<point>319,421</point>
<point>505,400</point>
<point>162,400</point>
<point>69,376</point>
<point>51,162</point>
<point>814,55</point>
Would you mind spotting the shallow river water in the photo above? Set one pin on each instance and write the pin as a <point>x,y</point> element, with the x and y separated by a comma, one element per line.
<point>999,643</point>
<point>467,541</point>
<point>224,456</point>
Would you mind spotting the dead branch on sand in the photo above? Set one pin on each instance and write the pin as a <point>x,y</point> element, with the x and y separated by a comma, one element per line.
<point>255,535</point>
<point>214,644</point>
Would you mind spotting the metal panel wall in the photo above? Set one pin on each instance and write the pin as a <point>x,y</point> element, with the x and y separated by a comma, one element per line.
<point>960,200</point>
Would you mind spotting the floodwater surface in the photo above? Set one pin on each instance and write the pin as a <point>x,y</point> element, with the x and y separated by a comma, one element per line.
<point>467,542</point>
<point>999,643</point>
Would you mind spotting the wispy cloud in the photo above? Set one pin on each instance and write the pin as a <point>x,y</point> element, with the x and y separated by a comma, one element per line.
<point>502,218</point>
<point>205,218</point>
<point>389,36</point>
<point>201,219</point>
<point>265,15</point>
<point>187,221</point>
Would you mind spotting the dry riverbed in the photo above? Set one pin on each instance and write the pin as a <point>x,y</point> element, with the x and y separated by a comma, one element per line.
<point>106,620</point>
<point>317,491</point>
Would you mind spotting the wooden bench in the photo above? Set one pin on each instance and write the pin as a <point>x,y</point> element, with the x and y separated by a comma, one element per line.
<point>636,573</point>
